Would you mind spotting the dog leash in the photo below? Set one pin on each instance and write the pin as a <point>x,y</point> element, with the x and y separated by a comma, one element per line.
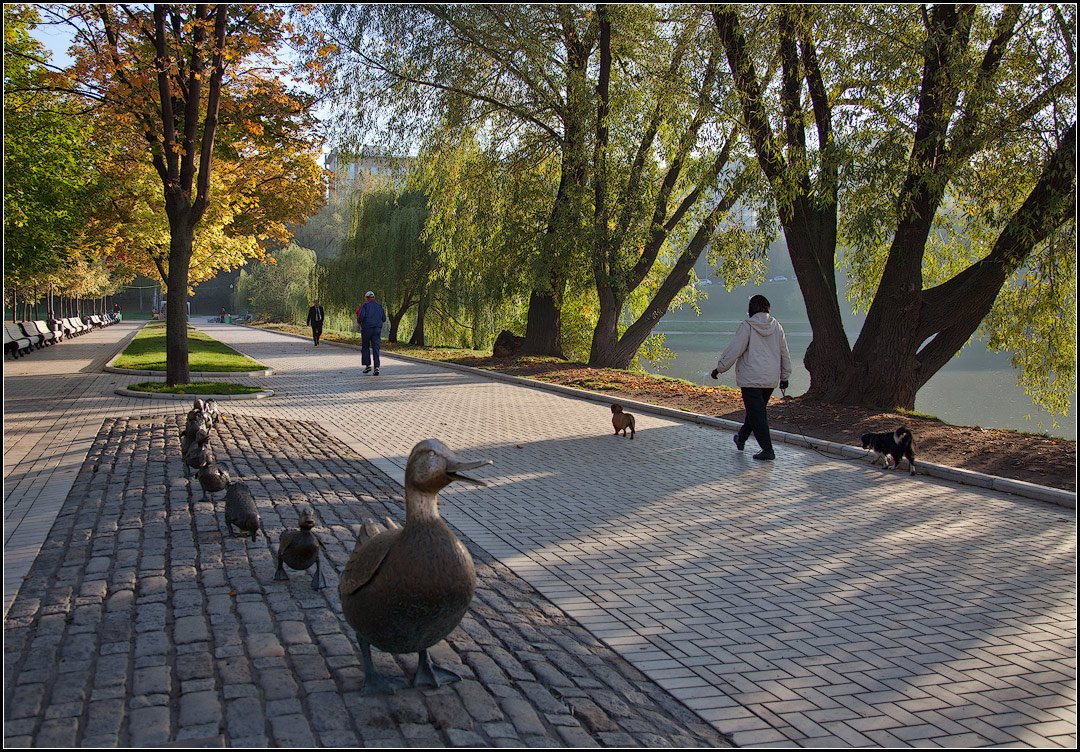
<point>783,394</point>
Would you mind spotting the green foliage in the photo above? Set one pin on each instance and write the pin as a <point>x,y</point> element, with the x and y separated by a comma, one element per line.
<point>1042,339</point>
<point>654,351</point>
<point>48,159</point>
<point>279,289</point>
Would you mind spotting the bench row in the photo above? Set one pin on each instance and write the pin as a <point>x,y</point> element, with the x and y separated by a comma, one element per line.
<point>21,338</point>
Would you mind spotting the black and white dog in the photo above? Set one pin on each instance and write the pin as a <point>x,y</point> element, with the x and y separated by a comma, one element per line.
<point>895,445</point>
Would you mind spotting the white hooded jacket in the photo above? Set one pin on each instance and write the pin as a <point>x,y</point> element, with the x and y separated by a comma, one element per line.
<point>759,353</point>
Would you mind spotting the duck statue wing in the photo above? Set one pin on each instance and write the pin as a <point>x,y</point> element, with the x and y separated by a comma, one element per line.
<point>372,545</point>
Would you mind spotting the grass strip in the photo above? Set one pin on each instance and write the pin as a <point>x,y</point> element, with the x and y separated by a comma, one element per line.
<point>195,387</point>
<point>146,352</point>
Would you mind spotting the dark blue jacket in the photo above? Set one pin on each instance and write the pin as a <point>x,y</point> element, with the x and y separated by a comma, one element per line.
<point>371,316</point>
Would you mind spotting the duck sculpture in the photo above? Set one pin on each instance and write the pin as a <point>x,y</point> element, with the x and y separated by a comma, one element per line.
<point>240,510</point>
<point>212,412</point>
<point>406,588</point>
<point>299,549</point>
<point>213,478</point>
<point>198,455</point>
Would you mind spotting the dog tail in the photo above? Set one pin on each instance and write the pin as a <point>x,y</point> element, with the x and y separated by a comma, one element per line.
<point>902,436</point>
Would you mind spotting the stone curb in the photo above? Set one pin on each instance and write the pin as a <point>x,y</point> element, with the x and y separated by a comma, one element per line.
<point>216,397</point>
<point>203,374</point>
<point>1034,491</point>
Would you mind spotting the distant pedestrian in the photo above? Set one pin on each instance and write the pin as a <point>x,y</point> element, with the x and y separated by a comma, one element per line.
<point>370,318</point>
<point>315,321</point>
<point>760,355</point>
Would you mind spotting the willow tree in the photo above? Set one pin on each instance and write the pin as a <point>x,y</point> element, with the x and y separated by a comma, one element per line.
<point>618,113</point>
<point>666,169</point>
<point>517,73</point>
<point>178,77</point>
<point>939,145</point>
<point>384,251</point>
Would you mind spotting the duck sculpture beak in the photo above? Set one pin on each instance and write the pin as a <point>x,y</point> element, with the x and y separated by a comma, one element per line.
<point>453,471</point>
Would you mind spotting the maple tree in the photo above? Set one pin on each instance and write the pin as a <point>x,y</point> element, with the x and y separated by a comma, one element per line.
<point>203,87</point>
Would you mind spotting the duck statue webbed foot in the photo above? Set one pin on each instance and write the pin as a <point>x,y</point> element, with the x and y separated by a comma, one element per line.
<point>430,674</point>
<point>406,588</point>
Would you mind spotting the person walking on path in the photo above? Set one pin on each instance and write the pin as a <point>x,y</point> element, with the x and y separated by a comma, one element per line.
<point>760,355</point>
<point>370,318</point>
<point>315,321</point>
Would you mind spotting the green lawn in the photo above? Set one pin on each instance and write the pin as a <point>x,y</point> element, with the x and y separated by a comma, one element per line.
<point>147,353</point>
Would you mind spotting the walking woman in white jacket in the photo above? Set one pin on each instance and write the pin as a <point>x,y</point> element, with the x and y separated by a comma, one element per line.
<point>760,355</point>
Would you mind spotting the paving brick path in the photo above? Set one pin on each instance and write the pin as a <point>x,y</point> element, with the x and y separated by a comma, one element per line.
<point>809,601</point>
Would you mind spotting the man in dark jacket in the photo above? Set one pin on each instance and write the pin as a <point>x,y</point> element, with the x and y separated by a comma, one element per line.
<point>315,317</point>
<point>370,318</point>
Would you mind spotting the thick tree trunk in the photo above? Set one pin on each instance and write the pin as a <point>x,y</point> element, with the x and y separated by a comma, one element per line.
<point>811,238</point>
<point>176,319</point>
<point>542,328</point>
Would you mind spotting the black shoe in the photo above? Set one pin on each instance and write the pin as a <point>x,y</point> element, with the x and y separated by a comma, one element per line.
<point>763,455</point>
<point>739,444</point>
<point>376,371</point>
<point>367,369</point>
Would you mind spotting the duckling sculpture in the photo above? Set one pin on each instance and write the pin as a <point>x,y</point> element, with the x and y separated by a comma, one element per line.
<point>198,455</point>
<point>240,510</point>
<point>196,429</point>
<point>406,588</point>
<point>299,549</point>
<point>213,478</point>
<point>211,411</point>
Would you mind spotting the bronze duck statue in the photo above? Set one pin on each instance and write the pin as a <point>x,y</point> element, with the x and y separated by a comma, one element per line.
<point>299,549</point>
<point>198,455</point>
<point>406,588</point>
<point>213,478</point>
<point>240,510</point>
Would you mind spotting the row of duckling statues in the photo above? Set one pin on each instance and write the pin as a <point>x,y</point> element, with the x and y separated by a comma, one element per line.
<point>404,588</point>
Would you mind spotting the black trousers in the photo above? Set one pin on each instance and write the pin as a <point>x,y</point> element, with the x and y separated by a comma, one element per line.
<point>757,420</point>
<point>316,331</point>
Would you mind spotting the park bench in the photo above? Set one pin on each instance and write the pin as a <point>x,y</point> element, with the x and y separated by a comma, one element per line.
<point>40,327</point>
<point>29,331</point>
<point>77,325</point>
<point>67,328</point>
<point>14,342</point>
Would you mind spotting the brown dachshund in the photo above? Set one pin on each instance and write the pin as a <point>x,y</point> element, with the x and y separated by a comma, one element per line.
<point>622,420</point>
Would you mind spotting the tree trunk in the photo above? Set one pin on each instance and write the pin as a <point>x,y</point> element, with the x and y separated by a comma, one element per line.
<point>417,338</point>
<point>395,321</point>
<point>811,241</point>
<point>542,329</point>
<point>176,320</point>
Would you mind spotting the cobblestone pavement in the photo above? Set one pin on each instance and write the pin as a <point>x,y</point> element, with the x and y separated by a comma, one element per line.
<point>143,622</point>
<point>809,601</point>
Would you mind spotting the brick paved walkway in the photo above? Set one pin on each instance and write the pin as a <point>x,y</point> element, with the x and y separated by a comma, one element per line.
<point>809,601</point>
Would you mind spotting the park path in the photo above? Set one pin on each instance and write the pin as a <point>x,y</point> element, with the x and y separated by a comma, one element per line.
<point>809,601</point>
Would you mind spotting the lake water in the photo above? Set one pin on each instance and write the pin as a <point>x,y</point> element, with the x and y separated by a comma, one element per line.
<point>976,388</point>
